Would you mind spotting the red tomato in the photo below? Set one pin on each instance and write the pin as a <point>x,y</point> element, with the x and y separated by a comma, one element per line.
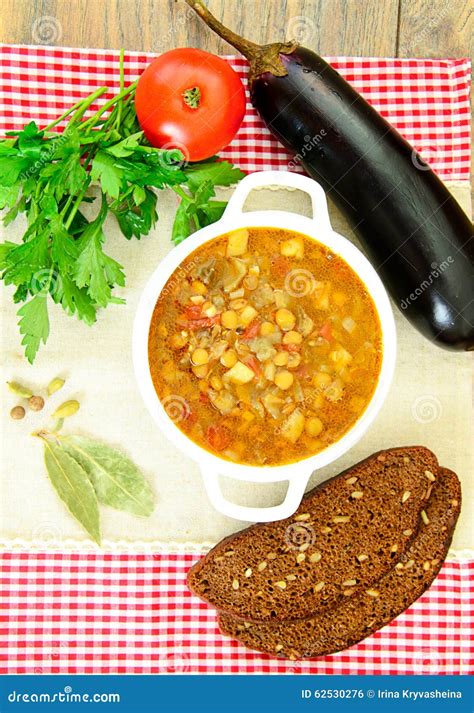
<point>191,100</point>
<point>252,330</point>
<point>193,311</point>
<point>203,323</point>
<point>253,364</point>
<point>326,332</point>
<point>218,437</point>
<point>281,265</point>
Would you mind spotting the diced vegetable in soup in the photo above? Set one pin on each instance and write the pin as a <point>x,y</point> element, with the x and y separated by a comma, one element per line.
<point>264,347</point>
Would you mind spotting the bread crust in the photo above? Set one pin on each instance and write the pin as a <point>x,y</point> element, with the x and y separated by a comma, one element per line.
<point>213,577</point>
<point>360,617</point>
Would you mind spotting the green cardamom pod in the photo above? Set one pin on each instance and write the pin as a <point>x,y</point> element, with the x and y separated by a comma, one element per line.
<point>68,408</point>
<point>19,389</point>
<point>55,385</point>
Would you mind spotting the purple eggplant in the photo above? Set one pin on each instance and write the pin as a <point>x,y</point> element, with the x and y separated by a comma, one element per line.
<point>413,230</point>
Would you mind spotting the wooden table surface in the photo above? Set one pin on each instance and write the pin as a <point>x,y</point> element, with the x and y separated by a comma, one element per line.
<point>396,28</point>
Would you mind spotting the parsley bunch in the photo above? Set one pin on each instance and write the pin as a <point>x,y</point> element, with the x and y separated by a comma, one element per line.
<point>46,174</point>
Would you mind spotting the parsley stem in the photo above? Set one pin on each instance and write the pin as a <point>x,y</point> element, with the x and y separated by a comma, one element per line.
<point>77,116</point>
<point>67,205</point>
<point>77,204</point>
<point>107,105</point>
<point>179,191</point>
<point>73,108</point>
<point>122,87</point>
<point>81,195</point>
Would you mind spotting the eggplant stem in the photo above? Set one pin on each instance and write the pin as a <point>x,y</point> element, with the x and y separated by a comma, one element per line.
<point>262,58</point>
<point>245,47</point>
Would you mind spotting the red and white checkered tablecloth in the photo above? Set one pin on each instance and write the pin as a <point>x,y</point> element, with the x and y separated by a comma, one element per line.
<point>80,612</point>
<point>122,613</point>
<point>426,100</point>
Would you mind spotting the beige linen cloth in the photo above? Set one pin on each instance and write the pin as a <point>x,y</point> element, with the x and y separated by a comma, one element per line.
<point>430,403</point>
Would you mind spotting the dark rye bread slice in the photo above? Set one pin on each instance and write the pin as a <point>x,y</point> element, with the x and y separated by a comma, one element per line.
<point>345,535</point>
<point>368,611</point>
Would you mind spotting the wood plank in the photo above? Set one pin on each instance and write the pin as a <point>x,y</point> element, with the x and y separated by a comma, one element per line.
<point>436,28</point>
<point>332,27</point>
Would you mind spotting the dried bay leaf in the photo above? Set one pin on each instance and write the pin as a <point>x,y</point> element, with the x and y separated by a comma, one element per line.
<point>73,486</point>
<point>117,481</point>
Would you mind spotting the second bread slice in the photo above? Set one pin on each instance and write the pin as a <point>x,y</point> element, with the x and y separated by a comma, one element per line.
<point>371,609</point>
<point>346,534</point>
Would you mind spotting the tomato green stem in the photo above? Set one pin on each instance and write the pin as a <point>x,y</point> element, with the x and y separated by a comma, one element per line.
<point>192,97</point>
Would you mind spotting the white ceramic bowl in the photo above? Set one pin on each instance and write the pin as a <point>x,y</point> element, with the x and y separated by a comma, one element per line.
<point>319,228</point>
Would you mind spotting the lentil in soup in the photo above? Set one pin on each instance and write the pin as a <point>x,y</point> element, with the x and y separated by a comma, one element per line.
<point>264,346</point>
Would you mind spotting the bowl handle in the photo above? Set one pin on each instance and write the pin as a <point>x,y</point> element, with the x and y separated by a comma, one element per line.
<point>281,178</point>
<point>294,494</point>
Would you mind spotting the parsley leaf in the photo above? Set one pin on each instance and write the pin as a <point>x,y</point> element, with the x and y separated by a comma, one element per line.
<point>64,249</point>
<point>65,175</point>
<point>34,324</point>
<point>94,269</point>
<point>136,219</point>
<point>219,173</point>
<point>110,176</point>
<point>75,300</point>
<point>24,261</point>
<point>9,195</point>
<point>197,208</point>
<point>127,146</point>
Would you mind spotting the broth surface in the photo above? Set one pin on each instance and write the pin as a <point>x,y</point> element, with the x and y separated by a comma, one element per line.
<point>264,346</point>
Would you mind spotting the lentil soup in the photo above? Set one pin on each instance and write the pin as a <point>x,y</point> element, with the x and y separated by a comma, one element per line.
<point>264,346</point>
